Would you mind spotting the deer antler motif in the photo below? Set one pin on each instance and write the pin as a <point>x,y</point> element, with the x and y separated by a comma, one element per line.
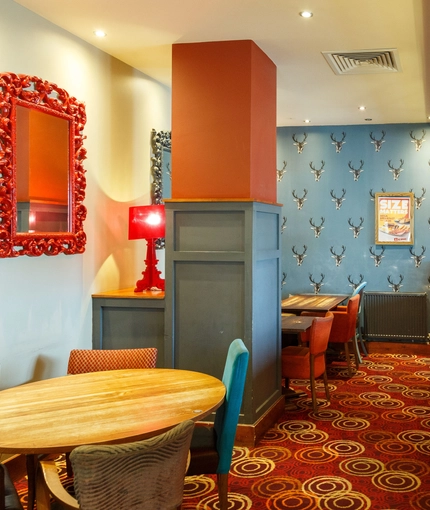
<point>300,145</point>
<point>417,258</point>
<point>284,224</point>
<point>395,286</point>
<point>316,285</point>
<point>377,258</point>
<point>338,143</point>
<point>356,171</point>
<point>317,228</point>
<point>417,141</point>
<point>372,195</point>
<point>353,284</point>
<point>419,200</point>
<point>300,201</point>
<point>299,256</point>
<point>280,173</point>
<point>396,171</point>
<point>338,257</point>
<point>284,279</point>
<point>317,172</point>
<point>338,200</point>
<point>377,143</point>
<point>356,228</point>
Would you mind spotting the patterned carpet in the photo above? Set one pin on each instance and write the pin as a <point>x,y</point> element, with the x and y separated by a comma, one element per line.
<point>369,448</point>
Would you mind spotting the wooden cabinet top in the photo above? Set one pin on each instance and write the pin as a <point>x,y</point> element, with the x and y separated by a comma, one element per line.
<point>129,293</point>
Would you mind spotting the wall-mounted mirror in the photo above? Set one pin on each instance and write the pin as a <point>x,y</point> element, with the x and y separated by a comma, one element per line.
<point>161,146</point>
<point>42,179</point>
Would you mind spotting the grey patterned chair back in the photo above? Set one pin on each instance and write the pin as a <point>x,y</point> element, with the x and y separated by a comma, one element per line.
<point>144,475</point>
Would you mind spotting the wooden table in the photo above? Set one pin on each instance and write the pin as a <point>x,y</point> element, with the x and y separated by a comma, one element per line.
<point>294,324</point>
<point>312,302</point>
<point>56,415</point>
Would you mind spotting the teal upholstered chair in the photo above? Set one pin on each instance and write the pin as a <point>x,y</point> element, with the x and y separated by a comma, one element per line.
<point>212,446</point>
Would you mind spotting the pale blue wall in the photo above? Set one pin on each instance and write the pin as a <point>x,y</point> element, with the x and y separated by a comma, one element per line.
<point>375,177</point>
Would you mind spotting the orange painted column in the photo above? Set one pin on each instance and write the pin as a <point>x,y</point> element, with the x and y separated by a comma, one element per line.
<point>223,122</point>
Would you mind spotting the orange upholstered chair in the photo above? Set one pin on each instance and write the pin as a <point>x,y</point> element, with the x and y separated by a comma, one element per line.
<point>344,329</point>
<point>299,362</point>
<point>82,361</point>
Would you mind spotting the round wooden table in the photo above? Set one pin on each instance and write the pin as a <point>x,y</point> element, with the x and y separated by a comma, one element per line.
<point>56,415</point>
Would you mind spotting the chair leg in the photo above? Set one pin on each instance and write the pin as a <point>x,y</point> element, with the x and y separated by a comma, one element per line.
<point>348,359</point>
<point>356,353</point>
<point>312,381</point>
<point>222,479</point>
<point>327,391</point>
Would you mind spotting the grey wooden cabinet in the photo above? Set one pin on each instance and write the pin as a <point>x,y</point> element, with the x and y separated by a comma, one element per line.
<point>123,319</point>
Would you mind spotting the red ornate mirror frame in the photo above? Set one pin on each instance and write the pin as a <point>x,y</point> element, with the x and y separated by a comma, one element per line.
<point>17,94</point>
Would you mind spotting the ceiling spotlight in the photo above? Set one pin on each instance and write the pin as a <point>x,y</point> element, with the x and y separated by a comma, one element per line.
<point>306,14</point>
<point>306,121</point>
<point>100,33</point>
<point>362,108</point>
<point>368,120</point>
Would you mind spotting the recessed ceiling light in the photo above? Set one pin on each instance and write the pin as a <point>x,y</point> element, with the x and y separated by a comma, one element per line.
<point>306,14</point>
<point>306,121</point>
<point>368,120</point>
<point>100,33</point>
<point>362,108</point>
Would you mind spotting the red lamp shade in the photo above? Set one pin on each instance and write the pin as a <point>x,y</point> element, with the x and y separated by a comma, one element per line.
<point>148,222</point>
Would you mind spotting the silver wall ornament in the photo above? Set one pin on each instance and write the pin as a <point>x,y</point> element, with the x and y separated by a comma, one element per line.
<point>338,200</point>
<point>396,171</point>
<point>377,257</point>
<point>418,141</point>
<point>338,257</point>
<point>377,143</point>
<point>280,173</point>
<point>395,286</point>
<point>356,228</point>
<point>356,171</point>
<point>299,256</point>
<point>317,228</point>
<point>284,224</point>
<point>316,285</point>
<point>300,145</point>
<point>338,143</point>
<point>317,171</point>
<point>417,258</point>
<point>300,200</point>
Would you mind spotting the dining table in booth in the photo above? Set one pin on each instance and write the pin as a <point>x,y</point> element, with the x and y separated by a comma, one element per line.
<point>317,303</point>
<point>56,415</point>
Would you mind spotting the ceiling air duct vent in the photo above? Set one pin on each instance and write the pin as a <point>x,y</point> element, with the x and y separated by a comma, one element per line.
<point>363,61</point>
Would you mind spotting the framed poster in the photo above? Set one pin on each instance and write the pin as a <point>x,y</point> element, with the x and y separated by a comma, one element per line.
<point>394,215</point>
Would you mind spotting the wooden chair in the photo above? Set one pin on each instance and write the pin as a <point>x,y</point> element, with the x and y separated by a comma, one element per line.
<point>82,361</point>
<point>212,446</point>
<point>9,499</point>
<point>343,330</point>
<point>301,362</point>
<point>144,475</point>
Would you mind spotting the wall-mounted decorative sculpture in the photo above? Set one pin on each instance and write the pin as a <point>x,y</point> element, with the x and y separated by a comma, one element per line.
<point>42,179</point>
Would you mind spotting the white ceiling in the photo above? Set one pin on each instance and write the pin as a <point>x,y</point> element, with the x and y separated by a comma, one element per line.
<point>141,34</point>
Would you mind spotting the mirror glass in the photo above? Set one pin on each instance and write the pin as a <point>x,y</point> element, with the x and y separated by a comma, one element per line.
<point>42,178</point>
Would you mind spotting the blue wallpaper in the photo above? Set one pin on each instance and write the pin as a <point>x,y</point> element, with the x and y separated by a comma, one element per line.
<point>315,230</point>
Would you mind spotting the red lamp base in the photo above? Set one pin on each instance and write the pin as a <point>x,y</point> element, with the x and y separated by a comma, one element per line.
<point>151,276</point>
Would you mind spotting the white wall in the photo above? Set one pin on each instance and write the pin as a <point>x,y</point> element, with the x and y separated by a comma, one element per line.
<point>45,308</point>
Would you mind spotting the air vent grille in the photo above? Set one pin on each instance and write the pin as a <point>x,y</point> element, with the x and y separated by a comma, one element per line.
<point>363,61</point>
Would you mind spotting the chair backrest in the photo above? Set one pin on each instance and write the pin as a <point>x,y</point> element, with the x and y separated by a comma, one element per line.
<point>144,475</point>
<point>9,499</point>
<point>82,361</point>
<point>227,416</point>
<point>352,311</point>
<point>320,333</point>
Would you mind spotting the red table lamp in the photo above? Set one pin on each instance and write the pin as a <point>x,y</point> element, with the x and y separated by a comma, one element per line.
<point>148,222</point>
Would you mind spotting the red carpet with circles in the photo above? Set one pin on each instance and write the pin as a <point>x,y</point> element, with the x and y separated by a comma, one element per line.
<point>369,448</point>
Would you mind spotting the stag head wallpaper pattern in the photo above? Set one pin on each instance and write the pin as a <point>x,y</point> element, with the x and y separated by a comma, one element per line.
<point>327,180</point>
